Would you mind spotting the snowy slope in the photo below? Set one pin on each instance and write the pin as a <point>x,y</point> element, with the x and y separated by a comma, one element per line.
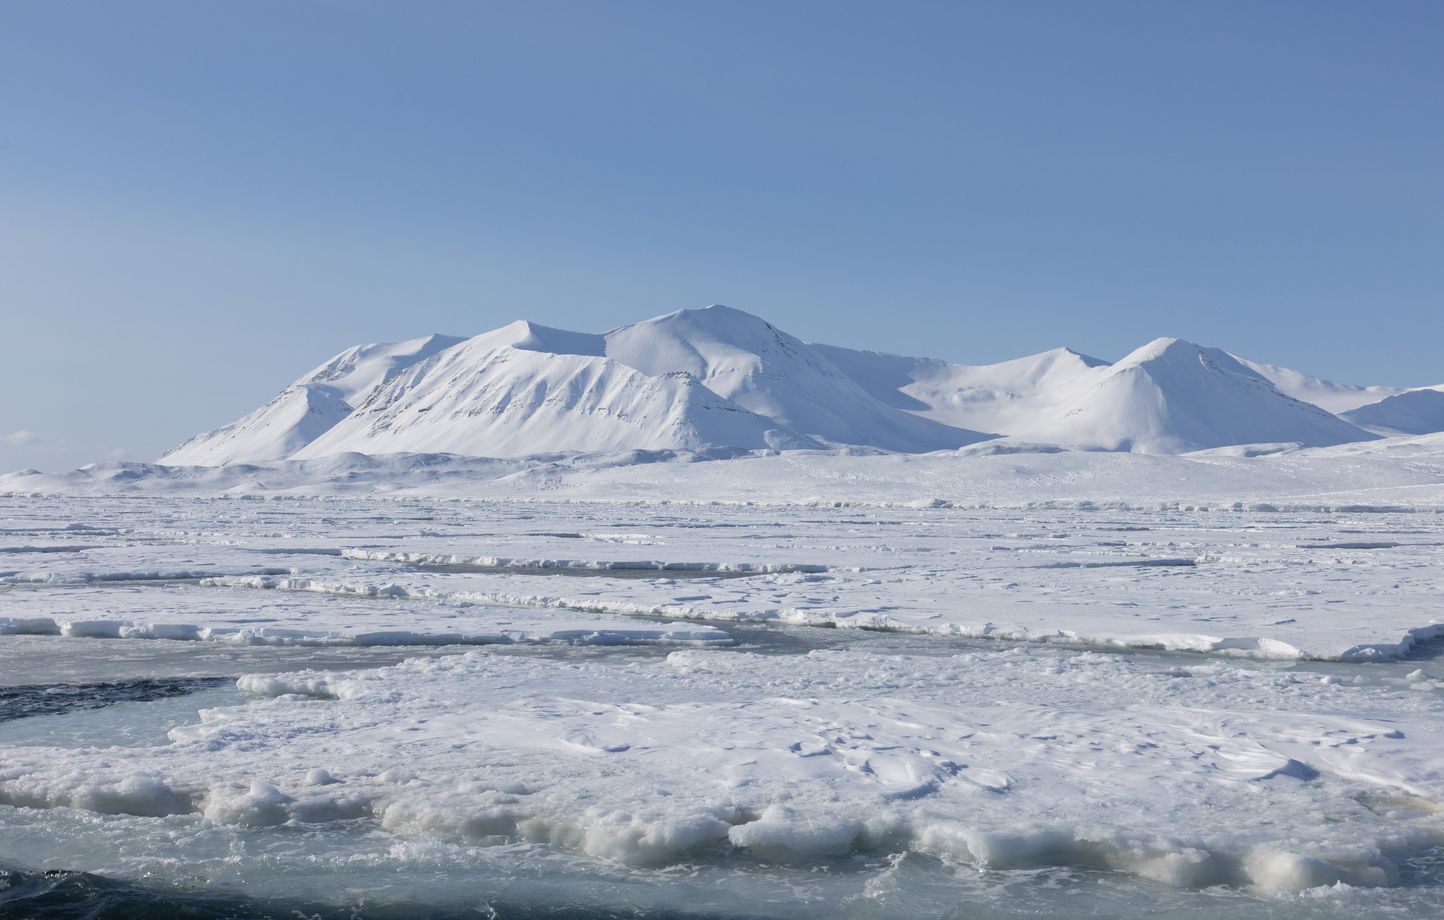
<point>527,389</point>
<point>297,416</point>
<point>1384,410</point>
<point>756,365</point>
<point>993,397</point>
<point>307,408</point>
<point>1326,394</point>
<point>1410,412</point>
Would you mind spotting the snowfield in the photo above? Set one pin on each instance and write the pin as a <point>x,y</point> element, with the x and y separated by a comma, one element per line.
<point>1223,577</point>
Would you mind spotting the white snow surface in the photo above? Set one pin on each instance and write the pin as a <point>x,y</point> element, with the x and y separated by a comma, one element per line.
<point>1397,472</point>
<point>1261,583</point>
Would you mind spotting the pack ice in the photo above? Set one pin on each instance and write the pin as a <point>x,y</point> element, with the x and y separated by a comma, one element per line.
<point>1144,692</point>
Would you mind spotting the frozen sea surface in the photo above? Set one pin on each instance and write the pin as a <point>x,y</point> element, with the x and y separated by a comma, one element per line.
<point>365,707</point>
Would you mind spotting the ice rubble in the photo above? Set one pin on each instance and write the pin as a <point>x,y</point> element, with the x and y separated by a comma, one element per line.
<point>216,614</point>
<point>660,568</point>
<point>1193,776</point>
<point>1257,584</point>
<point>1193,772</point>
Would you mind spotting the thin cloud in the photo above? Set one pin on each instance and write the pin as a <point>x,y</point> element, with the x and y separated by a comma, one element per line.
<point>22,437</point>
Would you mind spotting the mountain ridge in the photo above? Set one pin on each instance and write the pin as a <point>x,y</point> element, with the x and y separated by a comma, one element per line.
<point>717,377</point>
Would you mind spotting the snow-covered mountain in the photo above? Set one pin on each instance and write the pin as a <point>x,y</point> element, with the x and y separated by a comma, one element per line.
<point>308,408</point>
<point>758,366</point>
<point>527,389</point>
<point>690,380</point>
<point>1410,412</point>
<point>1383,410</point>
<point>1005,398</point>
<point>1168,396</point>
<point>713,378</point>
<point>1171,396</point>
<point>1326,394</point>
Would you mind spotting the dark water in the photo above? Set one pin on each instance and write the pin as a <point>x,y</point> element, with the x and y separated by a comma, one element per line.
<point>82,896</point>
<point>55,699</point>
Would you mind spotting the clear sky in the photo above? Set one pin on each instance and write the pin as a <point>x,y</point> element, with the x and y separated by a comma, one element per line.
<point>201,201</point>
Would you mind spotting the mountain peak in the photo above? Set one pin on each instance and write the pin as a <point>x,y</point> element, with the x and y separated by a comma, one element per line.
<point>1163,347</point>
<point>721,309</point>
<point>529,336</point>
<point>713,316</point>
<point>747,360</point>
<point>1180,356</point>
<point>1086,359</point>
<point>1065,353</point>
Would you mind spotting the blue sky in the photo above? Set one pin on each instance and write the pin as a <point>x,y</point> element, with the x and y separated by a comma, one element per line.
<point>201,201</point>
